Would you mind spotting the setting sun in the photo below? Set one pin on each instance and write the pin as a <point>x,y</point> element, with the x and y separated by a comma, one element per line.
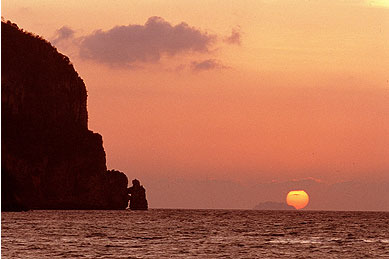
<point>298,199</point>
<point>379,3</point>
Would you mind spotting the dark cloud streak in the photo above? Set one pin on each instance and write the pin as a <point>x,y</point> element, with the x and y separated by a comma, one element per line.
<point>234,38</point>
<point>207,64</point>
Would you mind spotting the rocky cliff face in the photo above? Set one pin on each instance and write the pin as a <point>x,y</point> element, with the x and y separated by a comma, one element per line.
<point>50,160</point>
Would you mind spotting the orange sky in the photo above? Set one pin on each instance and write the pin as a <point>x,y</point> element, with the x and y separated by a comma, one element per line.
<point>303,92</point>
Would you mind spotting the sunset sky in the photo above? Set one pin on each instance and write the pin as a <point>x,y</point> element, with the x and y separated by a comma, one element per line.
<point>225,104</point>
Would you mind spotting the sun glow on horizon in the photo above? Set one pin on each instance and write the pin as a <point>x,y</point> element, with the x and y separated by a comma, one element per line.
<point>298,199</point>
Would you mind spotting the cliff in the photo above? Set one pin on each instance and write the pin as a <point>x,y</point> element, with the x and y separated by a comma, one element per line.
<point>50,160</point>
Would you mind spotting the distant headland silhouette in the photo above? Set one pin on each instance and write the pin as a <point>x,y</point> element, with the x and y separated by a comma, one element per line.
<point>271,205</point>
<point>50,159</point>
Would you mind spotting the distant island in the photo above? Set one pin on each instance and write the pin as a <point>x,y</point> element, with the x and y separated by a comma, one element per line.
<point>271,205</point>
<point>50,159</point>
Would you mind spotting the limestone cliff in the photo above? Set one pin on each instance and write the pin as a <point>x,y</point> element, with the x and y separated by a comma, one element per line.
<point>50,160</point>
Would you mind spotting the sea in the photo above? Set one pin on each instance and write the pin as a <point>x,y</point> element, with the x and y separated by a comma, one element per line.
<point>179,233</point>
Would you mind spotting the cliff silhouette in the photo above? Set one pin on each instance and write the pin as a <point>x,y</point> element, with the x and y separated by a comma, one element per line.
<point>50,159</point>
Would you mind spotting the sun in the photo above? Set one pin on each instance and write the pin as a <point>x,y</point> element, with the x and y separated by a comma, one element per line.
<point>379,3</point>
<point>298,199</point>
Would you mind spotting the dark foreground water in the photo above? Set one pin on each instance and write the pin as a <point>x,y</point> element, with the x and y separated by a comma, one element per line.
<point>194,233</point>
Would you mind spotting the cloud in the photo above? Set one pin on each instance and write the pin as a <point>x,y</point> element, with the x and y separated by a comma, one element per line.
<point>63,33</point>
<point>234,38</point>
<point>207,64</point>
<point>125,45</point>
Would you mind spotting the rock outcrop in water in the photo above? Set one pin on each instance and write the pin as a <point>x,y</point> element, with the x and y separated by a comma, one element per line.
<point>271,205</point>
<point>137,196</point>
<point>50,159</point>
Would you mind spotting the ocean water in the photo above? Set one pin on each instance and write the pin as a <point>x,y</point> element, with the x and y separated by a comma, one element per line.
<point>160,233</point>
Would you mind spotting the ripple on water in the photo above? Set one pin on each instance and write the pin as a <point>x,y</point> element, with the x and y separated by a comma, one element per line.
<point>194,233</point>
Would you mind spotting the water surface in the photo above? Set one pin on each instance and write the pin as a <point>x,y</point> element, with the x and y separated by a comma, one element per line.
<point>160,233</point>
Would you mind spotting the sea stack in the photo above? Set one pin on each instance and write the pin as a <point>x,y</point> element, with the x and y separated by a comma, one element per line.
<point>50,159</point>
<point>137,196</point>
